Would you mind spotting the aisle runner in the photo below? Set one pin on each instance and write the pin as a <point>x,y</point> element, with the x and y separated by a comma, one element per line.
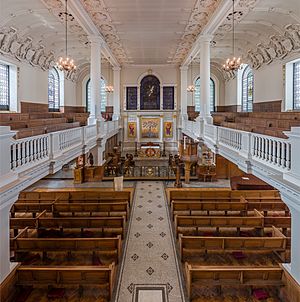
<point>150,270</point>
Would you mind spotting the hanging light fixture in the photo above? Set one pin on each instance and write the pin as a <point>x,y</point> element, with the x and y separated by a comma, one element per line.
<point>109,88</point>
<point>232,64</point>
<point>191,88</point>
<point>66,64</point>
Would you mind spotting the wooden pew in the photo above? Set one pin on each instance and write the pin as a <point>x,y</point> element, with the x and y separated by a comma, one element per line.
<point>103,209</point>
<point>22,243</point>
<point>196,244</point>
<point>77,276</point>
<point>197,222</point>
<point>232,276</point>
<point>192,207</point>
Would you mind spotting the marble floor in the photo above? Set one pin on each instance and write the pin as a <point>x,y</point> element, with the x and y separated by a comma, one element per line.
<point>150,271</point>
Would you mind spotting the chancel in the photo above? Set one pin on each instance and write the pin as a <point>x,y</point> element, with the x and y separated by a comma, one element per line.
<point>149,150</point>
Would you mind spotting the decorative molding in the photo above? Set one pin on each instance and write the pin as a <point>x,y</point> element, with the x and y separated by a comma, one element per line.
<point>278,47</point>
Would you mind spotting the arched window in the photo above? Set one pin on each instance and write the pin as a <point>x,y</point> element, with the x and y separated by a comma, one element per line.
<point>296,85</point>
<point>247,90</point>
<point>53,90</point>
<point>4,87</point>
<point>212,95</point>
<point>103,95</point>
<point>150,93</point>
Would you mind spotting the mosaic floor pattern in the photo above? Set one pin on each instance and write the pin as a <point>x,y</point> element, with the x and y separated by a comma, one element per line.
<point>150,261</point>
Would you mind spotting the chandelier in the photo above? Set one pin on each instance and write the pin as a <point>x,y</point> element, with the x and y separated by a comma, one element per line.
<point>109,88</point>
<point>66,64</point>
<point>234,63</point>
<point>191,88</point>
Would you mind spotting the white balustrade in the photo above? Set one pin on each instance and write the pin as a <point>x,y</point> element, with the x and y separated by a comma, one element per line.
<point>70,138</point>
<point>210,131</point>
<point>29,150</point>
<point>271,150</point>
<point>230,138</point>
<point>90,132</point>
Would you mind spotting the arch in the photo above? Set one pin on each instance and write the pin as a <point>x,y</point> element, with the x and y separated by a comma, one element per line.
<point>103,94</point>
<point>53,90</point>
<point>212,94</point>
<point>150,93</point>
<point>247,86</point>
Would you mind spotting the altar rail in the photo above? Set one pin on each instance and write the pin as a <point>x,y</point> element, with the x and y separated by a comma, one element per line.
<point>30,152</point>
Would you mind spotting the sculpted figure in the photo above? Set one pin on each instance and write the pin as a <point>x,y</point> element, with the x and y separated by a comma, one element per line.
<point>293,32</point>
<point>8,39</point>
<point>279,48</point>
<point>29,54</point>
<point>38,53</point>
<point>25,46</point>
<point>254,61</point>
<point>15,46</point>
<point>49,60</point>
<point>261,49</point>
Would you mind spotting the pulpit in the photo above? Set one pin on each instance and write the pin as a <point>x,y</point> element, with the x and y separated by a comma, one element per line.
<point>188,151</point>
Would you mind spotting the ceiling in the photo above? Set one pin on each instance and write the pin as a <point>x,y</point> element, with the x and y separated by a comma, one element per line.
<point>143,32</point>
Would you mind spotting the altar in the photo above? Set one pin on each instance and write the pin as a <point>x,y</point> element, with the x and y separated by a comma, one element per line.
<point>149,150</point>
<point>151,167</point>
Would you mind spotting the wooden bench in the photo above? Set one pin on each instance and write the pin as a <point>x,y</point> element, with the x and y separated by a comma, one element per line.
<point>77,276</point>
<point>101,209</point>
<point>113,225</point>
<point>196,244</point>
<point>232,276</point>
<point>195,223</point>
<point>22,243</point>
<point>193,207</point>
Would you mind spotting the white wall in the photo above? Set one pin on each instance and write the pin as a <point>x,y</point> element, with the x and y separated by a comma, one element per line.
<point>231,92</point>
<point>268,83</point>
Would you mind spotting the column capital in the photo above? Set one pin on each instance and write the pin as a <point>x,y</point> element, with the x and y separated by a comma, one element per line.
<point>116,68</point>
<point>96,40</point>
<point>183,68</point>
<point>204,39</point>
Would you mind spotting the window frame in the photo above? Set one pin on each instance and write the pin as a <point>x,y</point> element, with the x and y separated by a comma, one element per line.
<point>296,103</point>
<point>245,90</point>
<point>87,94</point>
<point>7,81</point>
<point>56,82</point>
<point>212,86</point>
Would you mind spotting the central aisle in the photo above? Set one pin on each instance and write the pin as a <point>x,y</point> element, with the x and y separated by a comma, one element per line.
<point>150,270</point>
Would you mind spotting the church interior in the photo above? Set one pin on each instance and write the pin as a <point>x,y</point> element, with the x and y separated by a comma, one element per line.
<point>149,150</point>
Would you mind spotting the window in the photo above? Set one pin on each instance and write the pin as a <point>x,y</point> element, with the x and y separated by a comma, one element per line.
<point>247,90</point>
<point>212,95</point>
<point>103,95</point>
<point>4,87</point>
<point>296,85</point>
<point>53,90</point>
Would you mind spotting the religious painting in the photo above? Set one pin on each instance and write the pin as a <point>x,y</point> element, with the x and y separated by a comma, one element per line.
<point>131,130</point>
<point>131,98</point>
<point>168,98</point>
<point>150,127</point>
<point>168,129</point>
<point>150,93</point>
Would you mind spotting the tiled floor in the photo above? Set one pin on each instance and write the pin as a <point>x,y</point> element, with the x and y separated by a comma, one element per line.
<point>150,265</point>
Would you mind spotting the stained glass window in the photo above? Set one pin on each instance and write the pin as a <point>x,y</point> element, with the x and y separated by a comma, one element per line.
<point>103,95</point>
<point>53,90</point>
<point>212,95</point>
<point>4,87</point>
<point>247,90</point>
<point>296,85</point>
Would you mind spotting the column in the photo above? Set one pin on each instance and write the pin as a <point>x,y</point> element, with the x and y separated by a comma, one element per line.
<point>294,267</point>
<point>205,78</point>
<point>95,76</point>
<point>117,100</point>
<point>183,92</point>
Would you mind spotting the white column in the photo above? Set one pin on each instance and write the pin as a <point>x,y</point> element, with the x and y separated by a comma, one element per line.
<point>205,78</point>
<point>95,77</point>
<point>117,87</point>
<point>293,203</point>
<point>183,91</point>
